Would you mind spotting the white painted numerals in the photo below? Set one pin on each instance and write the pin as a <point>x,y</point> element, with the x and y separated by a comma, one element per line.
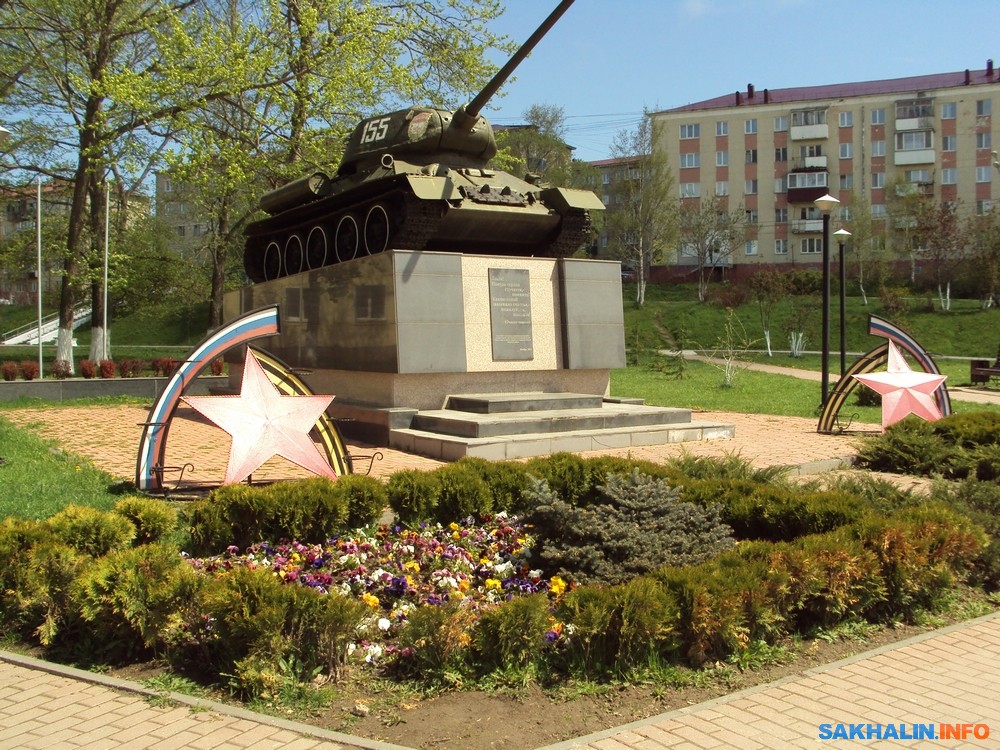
<point>375,130</point>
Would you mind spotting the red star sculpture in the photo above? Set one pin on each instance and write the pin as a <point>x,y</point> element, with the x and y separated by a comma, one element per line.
<point>903,390</point>
<point>264,423</point>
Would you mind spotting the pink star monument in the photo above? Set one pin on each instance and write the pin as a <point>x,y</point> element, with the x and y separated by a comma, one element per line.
<point>903,390</point>
<point>264,423</point>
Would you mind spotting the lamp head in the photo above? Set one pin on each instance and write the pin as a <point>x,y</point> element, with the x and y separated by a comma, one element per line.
<point>827,203</point>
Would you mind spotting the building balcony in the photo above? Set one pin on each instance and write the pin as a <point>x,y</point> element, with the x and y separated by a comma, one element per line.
<point>916,156</point>
<point>807,226</point>
<point>915,123</point>
<point>809,132</point>
<point>809,162</point>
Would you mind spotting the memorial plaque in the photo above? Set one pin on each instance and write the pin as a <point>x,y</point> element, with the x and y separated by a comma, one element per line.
<point>510,314</point>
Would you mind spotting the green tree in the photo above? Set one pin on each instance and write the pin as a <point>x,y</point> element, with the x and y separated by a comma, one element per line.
<point>642,223</point>
<point>983,233</point>
<point>538,147</point>
<point>767,285</point>
<point>710,233</point>
<point>941,238</point>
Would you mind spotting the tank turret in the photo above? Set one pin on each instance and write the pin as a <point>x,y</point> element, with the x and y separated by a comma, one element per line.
<point>418,179</point>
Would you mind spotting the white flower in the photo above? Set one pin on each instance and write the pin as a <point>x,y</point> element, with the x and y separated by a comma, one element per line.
<point>383,623</point>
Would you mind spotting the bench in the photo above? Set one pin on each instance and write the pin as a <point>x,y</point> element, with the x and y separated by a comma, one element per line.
<point>981,371</point>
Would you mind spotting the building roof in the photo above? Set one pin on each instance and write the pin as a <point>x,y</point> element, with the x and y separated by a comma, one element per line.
<point>618,161</point>
<point>915,85</point>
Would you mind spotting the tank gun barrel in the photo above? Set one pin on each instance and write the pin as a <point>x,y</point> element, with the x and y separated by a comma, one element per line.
<point>466,116</point>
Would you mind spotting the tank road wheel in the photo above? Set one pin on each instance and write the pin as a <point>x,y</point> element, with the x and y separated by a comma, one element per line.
<point>271,267</point>
<point>376,229</point>
<point>345,241</point>
<point>316,248</point>
<point>293,255</point>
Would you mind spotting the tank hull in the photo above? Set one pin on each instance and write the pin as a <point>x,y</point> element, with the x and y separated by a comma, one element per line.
<point>458,210</point>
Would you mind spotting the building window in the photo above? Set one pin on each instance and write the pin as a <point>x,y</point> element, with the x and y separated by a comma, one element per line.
<point>949,176</point>
<point>984,140</point>
<point>780,185</point>
<point>984,107</point>
<point>878,116</point>
<point>690,131</point>
<point>806,180</point>
<point>751,216</point>
<point>845,213</point>
<point>948,142</point>
<point>780,123</point>
<point>750,187</point>
<point>917,175</point>
<point>846,150</point>
<point>878,210</point>
<point>984,174</point>
<point>846,181</point>
<point>750,248</point>
<point>878,148</point>
<point>781,154</point>
<point>722,158</point>
<point>690,190</point>
<point>606,178</point>
<point>781,247</point>
<point>914,140</point>
<point>750,126</point>
<point>722,127</point>
<point>690,161</point>
<point>180,231</point>
<point>751,156</point>
<point>878,180</point>
<point>722,188</point>
<point>781,215</point>
<point>809,117</point>
<point>949,111</point>
<point>847,119</point>
<point>815,150</point>
<point>812,245</point>
<point>983,207</point>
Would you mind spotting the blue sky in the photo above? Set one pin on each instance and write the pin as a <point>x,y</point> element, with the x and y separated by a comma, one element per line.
<point>607,59</point>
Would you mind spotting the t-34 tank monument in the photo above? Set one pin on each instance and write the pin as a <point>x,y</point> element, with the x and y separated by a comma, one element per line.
<point>432,294</point>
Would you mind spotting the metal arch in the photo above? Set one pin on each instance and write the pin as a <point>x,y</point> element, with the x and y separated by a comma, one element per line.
<point>871,361</point>
<point>845,386</point>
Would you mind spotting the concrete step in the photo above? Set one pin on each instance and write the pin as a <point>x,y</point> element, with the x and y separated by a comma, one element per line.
<point>495,403</point>
<point>504,447</point>
<point>603,417</point>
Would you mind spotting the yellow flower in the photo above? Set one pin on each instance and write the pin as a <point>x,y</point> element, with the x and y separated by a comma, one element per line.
<point>369,599</point>
<point>557,585</point>
<point>492,584</point>
<point>463,585</point>
<point>454,526</point>
<point>411,566</point>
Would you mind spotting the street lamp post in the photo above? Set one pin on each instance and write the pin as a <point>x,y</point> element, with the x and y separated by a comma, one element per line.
<point>826,204</point>
<point>842,235</point>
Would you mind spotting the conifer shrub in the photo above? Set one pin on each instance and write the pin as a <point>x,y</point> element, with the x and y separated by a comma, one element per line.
<point>91,531</point>
<point>775,512</point>
<point>129,597</point>
<point>565,474</point>
<point>18,536</point>
<point>620,629</point>
<point>920,551</point>
<point>462,493</point>
<point>635,524</point>
<point>413,495</point>
<point>968,429</point>
<point>365,498</point>
<point>153,519</point>
<point>306,510</point>
<point>980,502</point>
<point>508,482</point>
<point>436,645</point>
<point>599,468</point>
<point>45,598</point>
<point>512,635</point>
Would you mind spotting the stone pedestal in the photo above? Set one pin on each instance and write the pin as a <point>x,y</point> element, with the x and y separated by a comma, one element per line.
<point>403,330</point>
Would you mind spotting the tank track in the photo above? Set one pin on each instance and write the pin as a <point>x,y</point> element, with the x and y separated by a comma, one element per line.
<point>410,224</point>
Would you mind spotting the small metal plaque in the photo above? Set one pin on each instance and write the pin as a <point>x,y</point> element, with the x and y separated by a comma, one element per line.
<point>510,314</point>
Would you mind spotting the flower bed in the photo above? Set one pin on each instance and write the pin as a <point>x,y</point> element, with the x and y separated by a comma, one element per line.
<point>393,570</point>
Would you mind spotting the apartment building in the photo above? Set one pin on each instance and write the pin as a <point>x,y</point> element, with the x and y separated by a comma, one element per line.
<point>774,152</point>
